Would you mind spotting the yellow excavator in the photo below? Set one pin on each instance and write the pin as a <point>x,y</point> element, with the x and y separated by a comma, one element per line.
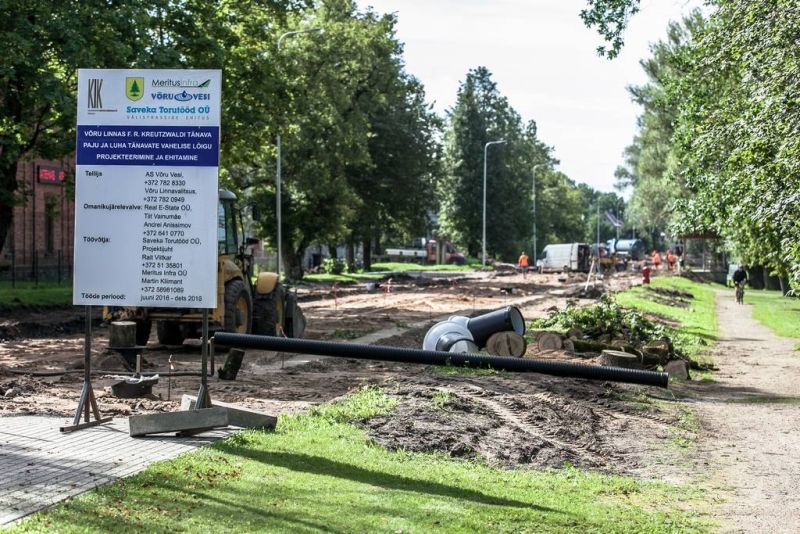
<point>245,303</point>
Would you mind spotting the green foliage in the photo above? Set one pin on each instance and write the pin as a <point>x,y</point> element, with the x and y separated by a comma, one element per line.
<point>333,266</point>
<point>45,42</point>
<point>719,132</point>
<point>610,17</point>
<point>649,158</point>
<point>605,319</point>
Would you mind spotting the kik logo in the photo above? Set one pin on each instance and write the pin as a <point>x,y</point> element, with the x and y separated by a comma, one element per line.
<point>95,99</point>
<point>134,88</point>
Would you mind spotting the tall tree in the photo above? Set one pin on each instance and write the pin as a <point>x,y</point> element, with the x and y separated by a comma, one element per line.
<point>738,135</point>
<point>650,159</point>
<point>481,114</point>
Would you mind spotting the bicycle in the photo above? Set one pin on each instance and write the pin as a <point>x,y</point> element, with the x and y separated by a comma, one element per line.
<point>739,292</point>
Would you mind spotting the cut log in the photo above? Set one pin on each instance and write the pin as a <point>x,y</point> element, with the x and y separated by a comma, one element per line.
<point>506,344</point>
<point>616,358</point>
<point>549,341</point>
<point>122,334</point>
<point>678,369</point>
<point>569,346</point>
<point>661,346</point>
<point>590,345</point>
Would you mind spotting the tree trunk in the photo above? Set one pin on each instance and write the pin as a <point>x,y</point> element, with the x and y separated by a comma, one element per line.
<point>293,264</point>
<point>332,251</point>
<point>8,189</point>
<point>367,244</point>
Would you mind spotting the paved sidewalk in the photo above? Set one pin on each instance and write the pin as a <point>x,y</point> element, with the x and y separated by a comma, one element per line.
<point>40,466</point>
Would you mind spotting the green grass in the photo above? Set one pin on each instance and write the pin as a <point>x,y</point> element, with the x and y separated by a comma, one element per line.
<point>318,472</point>
<point>353,278</point>
<point>405,267</point>
<point>698,329</point>
<point>778,313</point>
<point>29,294</point>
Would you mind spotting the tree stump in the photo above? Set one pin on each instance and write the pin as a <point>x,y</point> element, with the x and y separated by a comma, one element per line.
<point>616,358</point>
<point>122,334</point>
<point>506,344</point>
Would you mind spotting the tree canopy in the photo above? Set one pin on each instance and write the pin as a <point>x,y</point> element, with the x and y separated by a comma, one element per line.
<point>365,159</point>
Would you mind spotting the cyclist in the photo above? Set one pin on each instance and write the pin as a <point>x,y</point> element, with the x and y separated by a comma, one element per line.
<point>739,280</point>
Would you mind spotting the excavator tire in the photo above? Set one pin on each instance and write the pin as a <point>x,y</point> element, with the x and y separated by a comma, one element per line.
<point>238,317</point>
<point>268,312</point>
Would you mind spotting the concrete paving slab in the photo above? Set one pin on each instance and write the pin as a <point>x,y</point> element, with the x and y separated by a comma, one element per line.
<point>237,415</point>
<point>40,466</point>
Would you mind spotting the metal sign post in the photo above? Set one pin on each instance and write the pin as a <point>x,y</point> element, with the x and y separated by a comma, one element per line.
<point>203,397</point>
<point>87,402</point>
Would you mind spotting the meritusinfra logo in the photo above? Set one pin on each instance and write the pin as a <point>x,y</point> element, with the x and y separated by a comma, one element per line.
<point>180,84</point>
<point>134,87</point>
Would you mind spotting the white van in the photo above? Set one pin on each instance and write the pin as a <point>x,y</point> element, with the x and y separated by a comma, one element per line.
<point>565,257</point>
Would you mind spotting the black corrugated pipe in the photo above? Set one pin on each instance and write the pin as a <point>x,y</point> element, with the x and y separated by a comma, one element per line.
<point>432,357</point>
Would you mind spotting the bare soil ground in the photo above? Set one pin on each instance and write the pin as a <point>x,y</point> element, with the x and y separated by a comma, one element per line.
<point>506,419</point>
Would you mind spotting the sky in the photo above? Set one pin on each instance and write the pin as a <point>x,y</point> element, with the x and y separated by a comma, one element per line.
<point>544,61</point>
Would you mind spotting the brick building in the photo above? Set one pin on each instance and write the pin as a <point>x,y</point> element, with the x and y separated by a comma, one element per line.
<point>40,242</point>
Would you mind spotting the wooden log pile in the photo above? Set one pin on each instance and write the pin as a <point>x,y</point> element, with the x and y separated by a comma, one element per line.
<point>615,352</point>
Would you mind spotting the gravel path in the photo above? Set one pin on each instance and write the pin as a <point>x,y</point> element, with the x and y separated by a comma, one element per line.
<point>752,421</point>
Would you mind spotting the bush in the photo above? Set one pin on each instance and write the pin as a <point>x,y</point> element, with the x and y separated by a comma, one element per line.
<point>605,319</point>
<point>334,266</point>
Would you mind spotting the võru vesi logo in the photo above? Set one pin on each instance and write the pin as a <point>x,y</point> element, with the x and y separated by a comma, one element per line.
<point>134,87</point>
<point>183,97</point>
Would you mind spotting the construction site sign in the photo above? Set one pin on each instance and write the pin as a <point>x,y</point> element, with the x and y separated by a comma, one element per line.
<point>146,187</point>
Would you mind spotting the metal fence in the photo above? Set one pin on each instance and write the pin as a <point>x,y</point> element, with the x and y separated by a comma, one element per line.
<point>38,267</point>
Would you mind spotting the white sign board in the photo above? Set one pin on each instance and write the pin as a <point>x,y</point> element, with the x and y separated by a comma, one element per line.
<point>146,188</point>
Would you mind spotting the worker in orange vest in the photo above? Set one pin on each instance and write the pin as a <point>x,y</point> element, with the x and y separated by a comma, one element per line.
<point>656,259</point>
<point>671,259</point>
<point>522,264</point>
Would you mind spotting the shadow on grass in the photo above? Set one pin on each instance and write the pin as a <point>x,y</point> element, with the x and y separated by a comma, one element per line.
<point>322,466</point>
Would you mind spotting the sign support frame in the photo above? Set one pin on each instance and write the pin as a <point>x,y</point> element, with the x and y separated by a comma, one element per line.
<point>87,405</point>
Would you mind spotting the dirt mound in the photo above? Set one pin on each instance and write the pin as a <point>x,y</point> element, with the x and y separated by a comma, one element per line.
<point>517,421</point>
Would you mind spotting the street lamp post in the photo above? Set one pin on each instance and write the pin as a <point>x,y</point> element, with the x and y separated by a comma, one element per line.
<point>485,148</point>
<point>278,162</point>
<point>533,188</point>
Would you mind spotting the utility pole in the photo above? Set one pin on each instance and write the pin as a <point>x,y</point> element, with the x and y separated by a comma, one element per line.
<point>278,163</point>
<point>533,188</point>
<point>485,147</point>
<point>598,235</point>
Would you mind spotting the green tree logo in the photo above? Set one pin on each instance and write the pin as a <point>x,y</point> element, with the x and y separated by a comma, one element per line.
<point>133,88</point>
